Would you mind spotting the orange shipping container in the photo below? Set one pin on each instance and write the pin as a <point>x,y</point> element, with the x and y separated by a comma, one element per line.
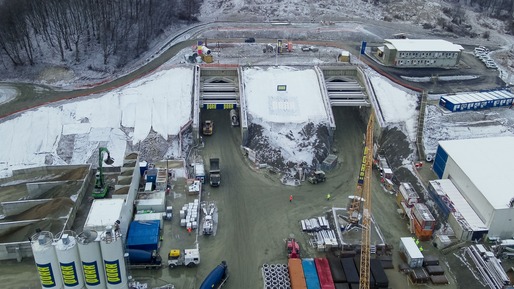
<point>296,274</point>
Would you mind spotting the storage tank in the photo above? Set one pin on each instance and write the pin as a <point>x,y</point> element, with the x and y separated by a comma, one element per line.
<point>114,261</point>
<point>46,260</point>
<point>91,257</point>
<point>69,260</point>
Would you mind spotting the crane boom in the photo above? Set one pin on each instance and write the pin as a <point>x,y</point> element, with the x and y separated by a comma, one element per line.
<point>366,215</point>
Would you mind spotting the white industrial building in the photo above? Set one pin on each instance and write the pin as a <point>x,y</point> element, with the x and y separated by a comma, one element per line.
<point>419,53</point>
<point>482,171</point>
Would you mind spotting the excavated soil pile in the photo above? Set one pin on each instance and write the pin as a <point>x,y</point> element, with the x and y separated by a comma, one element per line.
<point>25,232</point>
<point>312,137</point>
<point>55,208</point>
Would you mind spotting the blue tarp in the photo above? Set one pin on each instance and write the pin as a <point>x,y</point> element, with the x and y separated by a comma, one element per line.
<point>311,275</point>
<point>143,235</point>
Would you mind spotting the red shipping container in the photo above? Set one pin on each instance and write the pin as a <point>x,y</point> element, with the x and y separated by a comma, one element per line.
<point>324,274</point>
<point>296,274</point>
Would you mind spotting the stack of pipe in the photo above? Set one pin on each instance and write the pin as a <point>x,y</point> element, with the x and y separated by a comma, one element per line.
<point>276,276</point>
<point>488,266</point>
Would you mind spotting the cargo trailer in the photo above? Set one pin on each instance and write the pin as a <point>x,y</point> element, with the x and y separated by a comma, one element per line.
<point>352,275</point>
<point>310,273</point>
<point>296,274</point>
<point>378,273</point>
<point>337,270</point>
<point>342,286</point>
<point>324,275</point>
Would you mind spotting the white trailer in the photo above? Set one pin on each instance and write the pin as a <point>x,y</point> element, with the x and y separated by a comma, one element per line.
<point>413,255</point>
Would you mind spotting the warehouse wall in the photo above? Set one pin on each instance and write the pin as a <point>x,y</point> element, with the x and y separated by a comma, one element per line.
<point>469,191</point>
<point>502,223</point>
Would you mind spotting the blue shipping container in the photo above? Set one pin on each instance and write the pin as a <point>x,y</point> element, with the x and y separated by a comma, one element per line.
<point>311,275</point>
<point>143,235</point>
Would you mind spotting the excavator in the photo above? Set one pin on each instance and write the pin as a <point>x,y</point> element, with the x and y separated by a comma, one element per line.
<point>101,189</point>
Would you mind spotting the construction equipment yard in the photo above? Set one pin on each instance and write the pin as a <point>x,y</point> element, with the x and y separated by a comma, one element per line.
<point>255,214</point>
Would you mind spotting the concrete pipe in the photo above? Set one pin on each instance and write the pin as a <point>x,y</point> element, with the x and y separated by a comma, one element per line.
<point>274,274</point>
<point>267,279</point>
<point>281,287</point>
<point>287,283</point>
<point>265,266</point>
<point>280,278</point>
<point>273,266</point>
<point>265,269</point>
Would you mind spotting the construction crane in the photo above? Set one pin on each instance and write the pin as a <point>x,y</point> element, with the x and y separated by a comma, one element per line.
<point>362,202</point>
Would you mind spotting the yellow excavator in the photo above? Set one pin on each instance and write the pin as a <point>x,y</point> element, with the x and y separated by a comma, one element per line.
<point>101,189</point>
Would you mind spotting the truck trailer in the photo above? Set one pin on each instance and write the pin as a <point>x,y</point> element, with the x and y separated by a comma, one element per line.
<point>214,172</point>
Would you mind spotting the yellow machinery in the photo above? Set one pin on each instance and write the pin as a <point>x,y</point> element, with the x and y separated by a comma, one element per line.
<point>362,201</point>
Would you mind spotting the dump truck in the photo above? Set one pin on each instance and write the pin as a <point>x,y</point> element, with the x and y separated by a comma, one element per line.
<point>141,259</point>
<point>317,177</point>
<point>208,126</point>
<point>187,257</point>
<point>214,172</point>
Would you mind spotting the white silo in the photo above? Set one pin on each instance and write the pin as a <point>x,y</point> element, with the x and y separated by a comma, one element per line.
<point>46,260</point>
<point>91,257</point>
<point>114,261</point>
<point>69,260</point>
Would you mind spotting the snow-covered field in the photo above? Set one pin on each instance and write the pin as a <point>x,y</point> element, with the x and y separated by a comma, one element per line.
<point>70,133</point>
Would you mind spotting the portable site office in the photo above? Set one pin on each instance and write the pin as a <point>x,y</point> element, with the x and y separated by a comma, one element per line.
<point>478,100</point>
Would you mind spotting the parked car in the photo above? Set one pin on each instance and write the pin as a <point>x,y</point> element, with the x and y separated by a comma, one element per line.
<point>250,40</point>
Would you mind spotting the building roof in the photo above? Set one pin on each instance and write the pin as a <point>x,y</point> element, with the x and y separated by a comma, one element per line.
<point>488,162</point>
<point>436,45</point>
<point>468,97</point>
<point>464,213</point>
<point>103,212</point>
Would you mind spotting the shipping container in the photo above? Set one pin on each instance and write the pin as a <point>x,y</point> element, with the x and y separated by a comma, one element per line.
<point>352,276</point>
<point>310,273</point>
<point>325,277</point>
<point>413,255</point>
<point>337,270</point>
<point>143,235</point>
<point>379,275</point>
<point>296,274</point>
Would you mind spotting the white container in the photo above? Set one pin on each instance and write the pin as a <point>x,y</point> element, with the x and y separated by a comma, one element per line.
<point>183,222</point>
<point>412,252</point>
<point>91,257</point>
<point>46,260</point>
<point>189,225</point>
<point>114,261</point>
<point>69,260</point>
<point>182,214</point>
<point>194,224</point>
<point>195,201</point>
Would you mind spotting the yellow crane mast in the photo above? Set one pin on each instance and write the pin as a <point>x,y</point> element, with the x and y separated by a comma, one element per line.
<point>366,213</point>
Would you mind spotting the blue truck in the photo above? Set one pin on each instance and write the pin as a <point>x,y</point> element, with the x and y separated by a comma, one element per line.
<point>216,278</point>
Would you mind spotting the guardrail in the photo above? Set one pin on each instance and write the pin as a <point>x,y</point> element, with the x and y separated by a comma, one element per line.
<point>196,103</point>
<point>243,108</point>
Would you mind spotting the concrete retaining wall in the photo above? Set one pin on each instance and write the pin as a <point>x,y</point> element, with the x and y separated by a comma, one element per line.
<point>16,207</point>
<point>37,189</point>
